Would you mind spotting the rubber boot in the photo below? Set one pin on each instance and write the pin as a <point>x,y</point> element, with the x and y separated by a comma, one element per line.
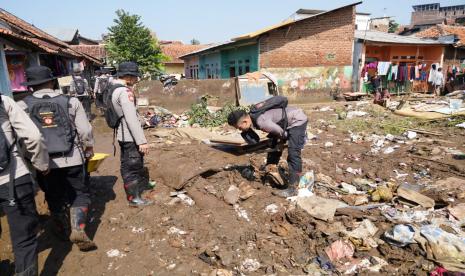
<point>61,225</point>
<point>78,224</point>
<point>32,270</point>
<point>134,194</point>
<point>291,189</point>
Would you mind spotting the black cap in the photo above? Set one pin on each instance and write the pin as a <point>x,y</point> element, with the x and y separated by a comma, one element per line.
<point>128,69</point>
<point>36,75</point>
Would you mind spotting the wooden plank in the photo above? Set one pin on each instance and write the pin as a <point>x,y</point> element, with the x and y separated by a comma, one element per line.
<point>415,197</point>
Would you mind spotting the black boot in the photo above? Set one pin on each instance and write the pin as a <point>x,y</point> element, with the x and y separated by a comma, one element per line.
<point>61,227</point>
<point>32,270</point>
<point>78,224</point>
<point>291,189</point>
<point>134,194</point>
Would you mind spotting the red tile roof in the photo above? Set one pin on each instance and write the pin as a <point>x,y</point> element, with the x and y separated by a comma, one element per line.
<point>443,30</point>
<point>174,50</point>
<point>96,51</point>
<point>28,33</point>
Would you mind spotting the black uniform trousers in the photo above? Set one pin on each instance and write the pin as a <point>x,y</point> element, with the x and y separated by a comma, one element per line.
<point>86,103</point>
<point>65,187</point>
<point>296,142</point>
<point>23,221</point>
<point>132,163</point>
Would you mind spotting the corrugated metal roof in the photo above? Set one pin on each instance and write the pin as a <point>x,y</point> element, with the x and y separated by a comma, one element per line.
<point>63,34</point>
<point>381,37</point>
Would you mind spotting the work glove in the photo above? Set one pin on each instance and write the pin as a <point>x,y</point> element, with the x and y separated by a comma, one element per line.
<point>250,137</point>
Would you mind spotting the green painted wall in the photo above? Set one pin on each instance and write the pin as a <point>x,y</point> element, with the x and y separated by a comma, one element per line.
<point>238,59</point>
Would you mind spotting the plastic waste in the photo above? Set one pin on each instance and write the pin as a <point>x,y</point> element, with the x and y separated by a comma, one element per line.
<point>401,235</point>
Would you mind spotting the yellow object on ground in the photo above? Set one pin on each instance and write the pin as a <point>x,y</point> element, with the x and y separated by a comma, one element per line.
<point>95,161</point>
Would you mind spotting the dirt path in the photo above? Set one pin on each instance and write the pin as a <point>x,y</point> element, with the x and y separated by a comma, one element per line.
<point>261,234</point>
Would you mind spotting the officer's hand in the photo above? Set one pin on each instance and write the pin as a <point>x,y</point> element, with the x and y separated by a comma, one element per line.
<point>45,172</point>
<point>144,149</point>
<point>89,153</point>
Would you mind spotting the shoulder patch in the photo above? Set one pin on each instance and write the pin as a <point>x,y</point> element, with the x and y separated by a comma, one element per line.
<point>130,95</point>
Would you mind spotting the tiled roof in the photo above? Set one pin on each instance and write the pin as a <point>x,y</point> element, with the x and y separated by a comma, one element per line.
<point>96,51</point>
<point>444,30</point>
<point>175,50</point>
<point>26,32</point>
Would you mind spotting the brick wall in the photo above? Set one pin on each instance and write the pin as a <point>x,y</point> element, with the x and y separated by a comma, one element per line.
<point>325,40</point>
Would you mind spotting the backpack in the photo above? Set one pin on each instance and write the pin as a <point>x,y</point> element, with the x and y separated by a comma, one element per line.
<point>103,84</point>
<point>79,86</point>
<point>51,116</point>
<point>111,117</point>
<point>276,102</point>
<point>5,147</point>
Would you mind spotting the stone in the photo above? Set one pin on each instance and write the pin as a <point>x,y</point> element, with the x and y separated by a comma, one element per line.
<point>320,208</point>
<point>246,191</point>
<point>329,144</point>
<point>232,195</point>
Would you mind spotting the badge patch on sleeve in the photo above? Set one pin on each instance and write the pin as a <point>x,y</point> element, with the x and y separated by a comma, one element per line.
<point>130,96</point>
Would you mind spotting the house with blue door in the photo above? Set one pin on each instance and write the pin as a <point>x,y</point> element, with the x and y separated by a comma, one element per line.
<point>306,52</point>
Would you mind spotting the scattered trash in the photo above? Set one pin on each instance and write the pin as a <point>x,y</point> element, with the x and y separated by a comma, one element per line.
<point>137,230</point>
<point>232,195</point>
<point>462,125</point>
<point>115,253</point>
<point>407,216</point>
<point>401,235</point>
<point>365,230</point>
<point>175,231</point>
<point>326,108</point>
<point>306,183</point>
<point>329,145</point>
<point>221,272</point>
<point>271,209</point>
<point>388,150</point>
<point>250,265</point>
<point>382,193</point>
<point>415,197</point>
<point>350,189</point>
<point>354,171</point>
<point>186,199</point>
<point>339,250</point>
<point>242,213</point>
<point>353,114</point>
<point>444,248</point>
<point>320,208</point>
<point>410,134</point>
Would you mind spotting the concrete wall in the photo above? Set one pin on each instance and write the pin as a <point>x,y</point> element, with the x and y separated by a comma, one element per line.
<point>174,68</point>
<point>187,92</point>
<point>312,84</point>
<point>325,40</point>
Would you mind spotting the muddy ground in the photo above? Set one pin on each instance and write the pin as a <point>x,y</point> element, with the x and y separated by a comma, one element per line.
<point>173,238</point>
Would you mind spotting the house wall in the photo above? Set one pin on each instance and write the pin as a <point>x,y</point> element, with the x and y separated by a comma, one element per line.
<point>174,68</point>
<point>325,40</point>
<point>240,60</point>
<point>210,65</point>
<point>5,87</point>
<point>191,67</point>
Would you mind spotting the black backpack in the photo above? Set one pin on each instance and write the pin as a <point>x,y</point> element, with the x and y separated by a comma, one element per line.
<point>51,116</point>
<point>5,147</point>
<point>111,117</point>
<point>276,102</point>
<point>79,86</point>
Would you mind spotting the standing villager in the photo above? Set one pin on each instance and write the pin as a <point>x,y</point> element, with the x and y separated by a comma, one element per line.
<point>121,114</point>
<point>69,139</point>
<point>21,144</point>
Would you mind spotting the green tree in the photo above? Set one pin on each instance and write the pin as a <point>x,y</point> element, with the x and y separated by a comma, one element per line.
<point>130,40</point>
<point>195,41</point>
<point>393,26</point>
